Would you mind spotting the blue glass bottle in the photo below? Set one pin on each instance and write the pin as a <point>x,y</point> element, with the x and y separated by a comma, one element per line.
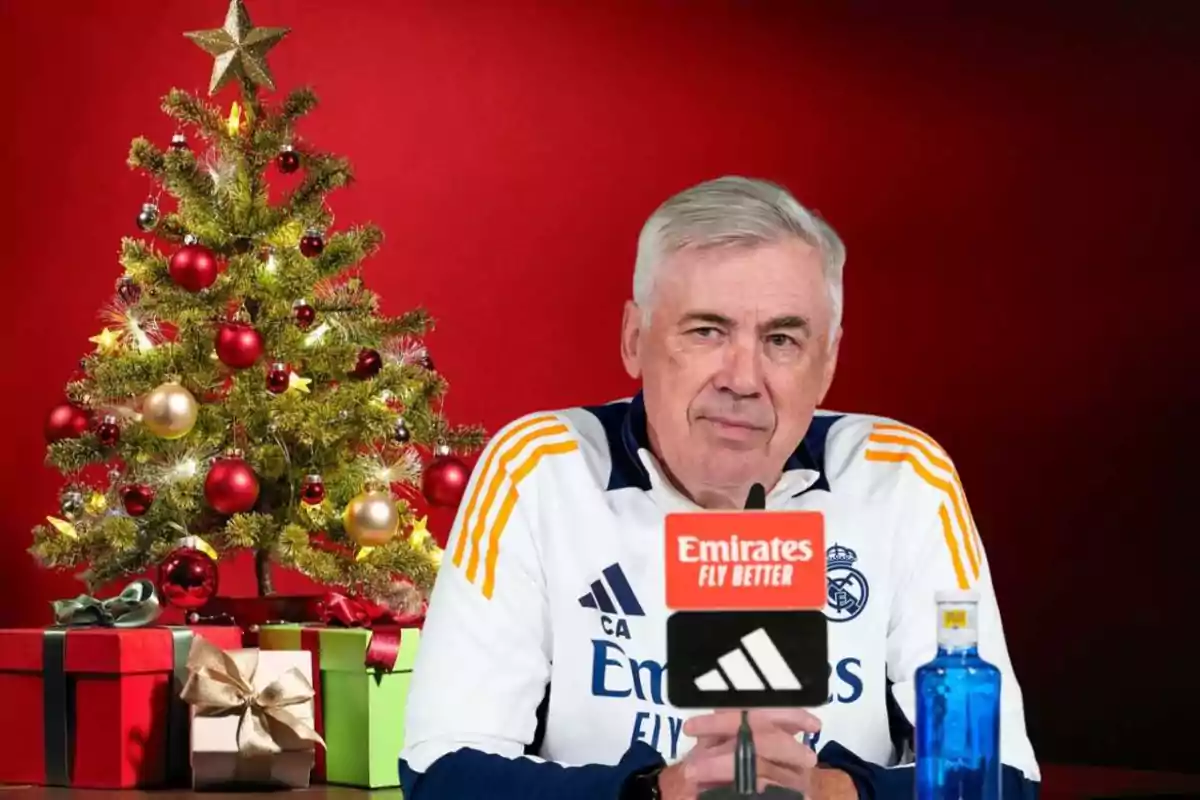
<point>958,710</point>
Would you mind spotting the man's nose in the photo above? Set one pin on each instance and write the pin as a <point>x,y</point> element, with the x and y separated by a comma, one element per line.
<point>740,371</point>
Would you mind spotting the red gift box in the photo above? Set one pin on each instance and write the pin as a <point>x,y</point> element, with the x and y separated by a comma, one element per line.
<point>107,715</point>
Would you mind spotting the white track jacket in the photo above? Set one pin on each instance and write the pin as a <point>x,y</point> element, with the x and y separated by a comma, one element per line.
<point>541,669</point>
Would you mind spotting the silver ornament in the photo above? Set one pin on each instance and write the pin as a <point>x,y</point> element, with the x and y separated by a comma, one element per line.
<point>71,503</point>
<point>148,218</point>
<point>402,433</point>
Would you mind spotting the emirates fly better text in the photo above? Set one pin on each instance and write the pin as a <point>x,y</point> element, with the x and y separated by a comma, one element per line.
<point>744,562</point>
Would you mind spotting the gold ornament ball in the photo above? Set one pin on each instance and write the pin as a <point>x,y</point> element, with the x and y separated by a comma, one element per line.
<point>169,411</point>
<point>371,519</point>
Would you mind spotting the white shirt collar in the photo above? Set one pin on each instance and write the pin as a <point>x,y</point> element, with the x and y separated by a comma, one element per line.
<point>663,490</point>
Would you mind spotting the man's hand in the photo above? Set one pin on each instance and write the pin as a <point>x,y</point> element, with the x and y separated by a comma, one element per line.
<point>782,759</point>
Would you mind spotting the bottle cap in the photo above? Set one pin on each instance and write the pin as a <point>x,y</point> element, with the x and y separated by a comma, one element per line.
<point>957,596</point>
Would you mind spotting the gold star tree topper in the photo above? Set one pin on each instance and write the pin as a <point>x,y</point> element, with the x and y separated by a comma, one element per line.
<point>239,47</point>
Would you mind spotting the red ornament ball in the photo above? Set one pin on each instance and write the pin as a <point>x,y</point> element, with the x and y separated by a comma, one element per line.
<point>445,480</point>
<point>137,499</point>
<point>231,486</point>
<point>193,267</point>
<point>66,421</point>
<point>312,491</point>
<point>369,363</point>
<point>278,378</point>
<point>238,345</point>
<point>288,160</point>
<point>187,578</point>
<point>312,243</point>
<point>108,431</point>
<point>305,314</point>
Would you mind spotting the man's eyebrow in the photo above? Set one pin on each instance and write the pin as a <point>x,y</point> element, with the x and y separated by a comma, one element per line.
<point>785,322</point>
<point>782,322</point>
<point>706,316</point>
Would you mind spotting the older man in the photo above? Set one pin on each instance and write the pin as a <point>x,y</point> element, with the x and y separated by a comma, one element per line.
<point>541,670</point>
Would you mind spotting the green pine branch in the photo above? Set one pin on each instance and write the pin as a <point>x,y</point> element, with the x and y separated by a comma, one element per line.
<point>177,171</point>
<point>415,322</point>
<point>191,110</point>
<point>372,576</point>
<point>297,104</point>
<point>323,174</point>
<point>349,248</point>
<point>141,262</point>
<point>276,130</point>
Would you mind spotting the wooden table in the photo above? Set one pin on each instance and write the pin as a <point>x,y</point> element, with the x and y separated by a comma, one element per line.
<point>1059,783</point>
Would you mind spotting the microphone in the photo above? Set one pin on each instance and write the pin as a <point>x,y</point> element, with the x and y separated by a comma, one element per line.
<point>745,772</point>
<point>757,498</point>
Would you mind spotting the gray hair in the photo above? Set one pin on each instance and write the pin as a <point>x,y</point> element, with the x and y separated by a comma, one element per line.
<point>734,211</point>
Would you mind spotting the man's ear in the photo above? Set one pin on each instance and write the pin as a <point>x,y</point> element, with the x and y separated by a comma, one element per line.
<point>631,332</point>
<point>830,366</point>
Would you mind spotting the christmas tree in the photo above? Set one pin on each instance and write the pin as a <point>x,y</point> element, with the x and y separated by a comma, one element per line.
<point>246,392</point>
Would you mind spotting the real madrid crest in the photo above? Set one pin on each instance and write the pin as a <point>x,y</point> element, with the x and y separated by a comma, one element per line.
<point>847,587</point>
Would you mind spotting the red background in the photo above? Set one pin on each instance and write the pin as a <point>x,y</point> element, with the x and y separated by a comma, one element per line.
<point>1017,191</point>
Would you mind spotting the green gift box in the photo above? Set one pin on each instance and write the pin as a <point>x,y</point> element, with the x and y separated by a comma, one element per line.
<point>361,708</point>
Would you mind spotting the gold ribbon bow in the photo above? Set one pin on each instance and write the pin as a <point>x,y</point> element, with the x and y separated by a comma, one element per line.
<point>221,684</point>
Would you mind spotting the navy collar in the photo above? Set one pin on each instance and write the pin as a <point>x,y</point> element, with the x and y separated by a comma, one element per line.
<point>809,455</point>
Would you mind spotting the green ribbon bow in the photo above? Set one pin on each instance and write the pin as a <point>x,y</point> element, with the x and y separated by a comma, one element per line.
<point>135,606</point>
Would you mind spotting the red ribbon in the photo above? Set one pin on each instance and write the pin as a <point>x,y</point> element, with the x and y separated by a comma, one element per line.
<point>383,649</point>
<point>311,642</point>
<point>385,624</point>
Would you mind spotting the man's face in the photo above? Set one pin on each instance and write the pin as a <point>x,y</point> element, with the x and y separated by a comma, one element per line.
<point>735,359</point>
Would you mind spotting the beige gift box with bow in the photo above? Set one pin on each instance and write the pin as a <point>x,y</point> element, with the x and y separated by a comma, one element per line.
<point>252,716</point>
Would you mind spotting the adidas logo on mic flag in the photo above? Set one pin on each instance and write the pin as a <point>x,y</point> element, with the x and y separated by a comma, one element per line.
<point>747,659</point>
<point>757,656</point>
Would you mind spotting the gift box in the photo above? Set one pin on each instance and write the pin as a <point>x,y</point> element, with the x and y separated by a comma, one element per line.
<point>97,707</point>
<point>361,700</point>
<point>251,717</point>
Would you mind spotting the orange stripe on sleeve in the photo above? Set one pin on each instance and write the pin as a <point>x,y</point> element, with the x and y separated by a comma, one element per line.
<point>934,459</point>
<point>460,547</point>
<point>937,483</point>
<point>948,531</point>
<point>510,500</point>
<point>494,488</point>
<point>923,443</point>
<point>974,531</point>
<point>887,426</point>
